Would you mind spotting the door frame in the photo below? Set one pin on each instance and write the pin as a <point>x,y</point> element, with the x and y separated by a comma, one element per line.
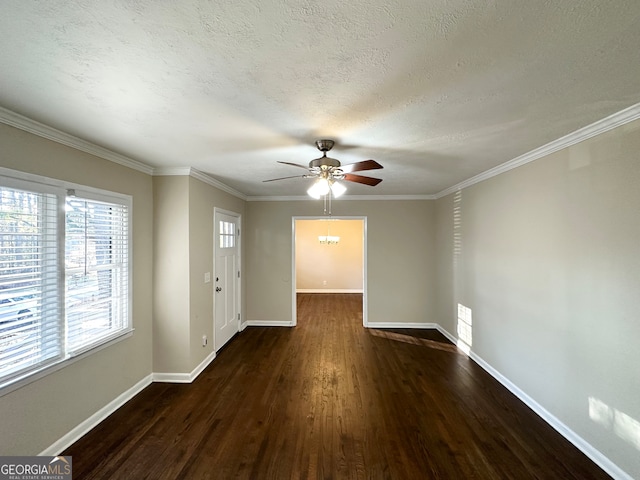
<point>238,280</point>
<point>294,306</point>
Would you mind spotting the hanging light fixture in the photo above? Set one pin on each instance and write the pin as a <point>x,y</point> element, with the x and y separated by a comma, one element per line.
<point>328,239</point>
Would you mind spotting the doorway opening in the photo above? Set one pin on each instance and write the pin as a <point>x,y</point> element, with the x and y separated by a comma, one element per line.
<point>329,256</point>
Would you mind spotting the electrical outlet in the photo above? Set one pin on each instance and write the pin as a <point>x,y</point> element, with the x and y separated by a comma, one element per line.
<point>324,282</point>
<point>204,340</point>
<point>207,277</point>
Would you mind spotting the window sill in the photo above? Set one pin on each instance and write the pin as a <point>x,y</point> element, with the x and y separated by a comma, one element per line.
<point>19,382</point>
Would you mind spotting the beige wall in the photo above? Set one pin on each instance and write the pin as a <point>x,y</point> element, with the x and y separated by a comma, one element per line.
<point>183,310</point>
<point>40,413</point>
<point>171,275</point>
<point>203,198</point>
<point>325,267</point>
<point>548,259</point>
<point>447,244</point>
<point>400,263</point>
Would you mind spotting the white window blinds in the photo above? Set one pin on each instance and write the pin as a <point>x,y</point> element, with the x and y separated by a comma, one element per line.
<point>30,329</point>
<point>64,274</point>
<point>96,271</point>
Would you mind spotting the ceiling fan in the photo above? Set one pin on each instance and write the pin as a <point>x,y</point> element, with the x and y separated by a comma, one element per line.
<point>327,171</point>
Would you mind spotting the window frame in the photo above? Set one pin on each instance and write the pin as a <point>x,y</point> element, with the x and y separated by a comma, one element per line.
<point>40,184</point>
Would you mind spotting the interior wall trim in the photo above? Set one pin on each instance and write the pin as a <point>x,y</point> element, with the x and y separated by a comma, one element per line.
<point>293,198</point>
<point>281,198</point>
<point>585,447</point>
<point>601,126</point>
<point>580,443</point>
<point>450,337</point>
<point>40,129</point>
<point>26,124</point>
<point>267,323</point>
<point>86,426</point>
<point>329,290</point>
<point>197,174</point>
<point>203,177</point>
<point>414,325</point>
<point>184,377</point>
<point>172,378</point>
<point>21,122</point>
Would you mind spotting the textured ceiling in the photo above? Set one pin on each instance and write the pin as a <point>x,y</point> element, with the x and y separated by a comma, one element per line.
<point>435,90</point>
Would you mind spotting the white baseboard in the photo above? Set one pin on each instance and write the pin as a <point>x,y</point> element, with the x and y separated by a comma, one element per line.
<point>580,443</point>
<point>401,325</point>
<point>329,290</point>
<point>91,422</point>
<point>450,337</point>
<point>416,325</point>
<point>184,377</point>
<point>268,323</point>
<point>172,378</point>
<point>85,427</point>
<point>204,364</point>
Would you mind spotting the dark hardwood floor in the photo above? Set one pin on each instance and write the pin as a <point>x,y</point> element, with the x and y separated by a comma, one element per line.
<point>330,399</point>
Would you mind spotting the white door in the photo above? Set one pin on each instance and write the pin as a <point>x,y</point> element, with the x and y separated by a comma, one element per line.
<point>226,280</point>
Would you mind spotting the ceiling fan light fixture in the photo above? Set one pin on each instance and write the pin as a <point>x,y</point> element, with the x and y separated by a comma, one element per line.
<point>319,188</point>
<point>329,174</point>
<point>337,189</point>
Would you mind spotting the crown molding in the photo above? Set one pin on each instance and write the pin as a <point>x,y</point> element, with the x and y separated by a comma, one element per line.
<point>217,183</point>
<point>293,198</point>
<point>171,171</point>
<point>387,197</point>
<point>23,123</point>
<point>601,126</point>
<point>197,174</point>
<point>281,198</point>
<point>40,129</point>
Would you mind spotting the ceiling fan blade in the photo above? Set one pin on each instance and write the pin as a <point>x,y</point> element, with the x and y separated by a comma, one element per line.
<point>362,179</point>
<point>295,165</point>
<point>360,166</point>
<point>284,178</point>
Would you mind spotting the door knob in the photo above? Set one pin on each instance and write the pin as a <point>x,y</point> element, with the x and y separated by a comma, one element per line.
<point>218,289</point>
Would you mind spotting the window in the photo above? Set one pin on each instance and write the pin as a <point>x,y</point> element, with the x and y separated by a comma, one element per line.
<point>227,234</point>
<point>96,271</point>
<point>64,273</point>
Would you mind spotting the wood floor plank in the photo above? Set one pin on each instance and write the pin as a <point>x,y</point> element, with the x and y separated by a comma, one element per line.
<point>330,399</point>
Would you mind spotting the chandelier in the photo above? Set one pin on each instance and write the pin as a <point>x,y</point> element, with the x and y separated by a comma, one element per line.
<point>328,239</point>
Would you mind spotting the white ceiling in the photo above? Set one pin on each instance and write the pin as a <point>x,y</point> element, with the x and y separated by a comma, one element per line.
<point>435,90</point>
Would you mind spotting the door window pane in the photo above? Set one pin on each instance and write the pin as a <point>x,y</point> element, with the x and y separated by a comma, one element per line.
<point>227,234</point>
